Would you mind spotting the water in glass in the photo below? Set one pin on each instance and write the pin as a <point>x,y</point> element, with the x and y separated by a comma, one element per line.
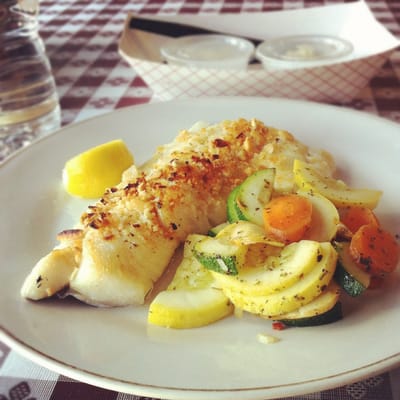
<point>29,106</point>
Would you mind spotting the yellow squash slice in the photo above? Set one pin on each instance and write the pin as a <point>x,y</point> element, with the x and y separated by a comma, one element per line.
<point>325,217</point>
<point>188,308</point>
<point>320,305</point>
<point>302,292</point>
<point>335,190</point>
<point>190,300</point>
<point>278,272</point>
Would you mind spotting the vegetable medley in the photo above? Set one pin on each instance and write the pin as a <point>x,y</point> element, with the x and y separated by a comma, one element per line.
<point>287,257</point>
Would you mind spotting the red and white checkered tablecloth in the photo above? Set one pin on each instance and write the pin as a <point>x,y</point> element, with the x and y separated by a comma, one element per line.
<point>81,40</point>
<point>81,37</point>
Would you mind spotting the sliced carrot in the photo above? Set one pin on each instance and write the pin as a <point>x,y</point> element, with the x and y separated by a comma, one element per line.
<point>354,217</point>
<point>375,250</point>
<point>287,217</point>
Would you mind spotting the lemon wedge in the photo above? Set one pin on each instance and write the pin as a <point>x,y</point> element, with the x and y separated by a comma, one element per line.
<point>90,173</point>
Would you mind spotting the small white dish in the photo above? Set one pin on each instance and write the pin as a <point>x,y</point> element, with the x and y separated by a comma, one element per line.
<point>336,81</point>
<point>302,51</point>
<point>208,51</point>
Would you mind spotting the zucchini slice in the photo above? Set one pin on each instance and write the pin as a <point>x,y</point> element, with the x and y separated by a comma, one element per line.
<point>348,275</point>
<point>220,255</point>
<point>322,310</point>
<point>254,193</point>
<point>232,208</point>
<point>328,317</point>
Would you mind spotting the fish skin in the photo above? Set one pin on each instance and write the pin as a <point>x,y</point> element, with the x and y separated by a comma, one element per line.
<point>128,237</point>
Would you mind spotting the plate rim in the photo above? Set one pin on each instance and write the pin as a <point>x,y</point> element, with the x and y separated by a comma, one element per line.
<point>90,377</point>
<point>174,393</point>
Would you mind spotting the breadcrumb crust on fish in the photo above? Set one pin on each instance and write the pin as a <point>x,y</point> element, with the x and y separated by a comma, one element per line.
<point>128,237</point>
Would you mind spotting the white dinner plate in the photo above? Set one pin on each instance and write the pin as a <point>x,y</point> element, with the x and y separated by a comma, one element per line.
<point>115,348</point>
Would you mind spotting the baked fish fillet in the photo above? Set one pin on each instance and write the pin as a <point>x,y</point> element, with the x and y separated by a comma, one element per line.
<point>126,240</point>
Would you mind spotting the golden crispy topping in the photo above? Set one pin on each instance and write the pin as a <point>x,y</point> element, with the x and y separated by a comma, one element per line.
<point>194,172</point>
<point>197,172</point>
